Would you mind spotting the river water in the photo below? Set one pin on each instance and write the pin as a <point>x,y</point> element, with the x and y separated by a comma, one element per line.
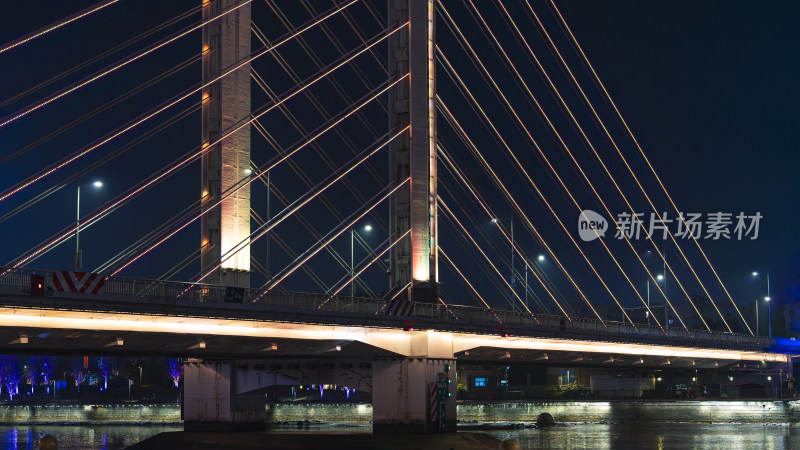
<point>657,436</point>
<point>565,436</point>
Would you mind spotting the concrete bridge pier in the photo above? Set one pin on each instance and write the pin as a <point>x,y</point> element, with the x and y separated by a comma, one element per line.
<point>211,402</point>
<point>416,394</point>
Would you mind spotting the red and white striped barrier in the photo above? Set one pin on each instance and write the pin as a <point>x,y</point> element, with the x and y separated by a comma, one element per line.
<point>434,403</point>
<point>400,307</point>
<point>79,282</point>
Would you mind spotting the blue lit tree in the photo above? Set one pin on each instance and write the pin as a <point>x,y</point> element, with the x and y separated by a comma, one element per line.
<point>29,374</point>
<point>12,378</point>
<point>4,362</point>
<point>78,374</point>
<point>47,371</point>
<point>175,368</point>
<point>105,371</point>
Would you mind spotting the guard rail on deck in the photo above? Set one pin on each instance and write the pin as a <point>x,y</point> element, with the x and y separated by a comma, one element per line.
<point>499,321</point>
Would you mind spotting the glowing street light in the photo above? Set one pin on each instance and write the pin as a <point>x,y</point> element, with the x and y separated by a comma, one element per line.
<point>540,258</point>
<point>78,256</point>
<point>367,228</point>
<point>769,305</point>
<point>513,279</point>
<point>660,277</point>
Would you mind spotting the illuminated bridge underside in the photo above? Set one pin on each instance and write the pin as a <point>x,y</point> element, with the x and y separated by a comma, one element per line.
<point>247,331</point>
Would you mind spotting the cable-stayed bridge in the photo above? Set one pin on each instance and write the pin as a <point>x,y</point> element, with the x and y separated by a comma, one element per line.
<point>488,115</point>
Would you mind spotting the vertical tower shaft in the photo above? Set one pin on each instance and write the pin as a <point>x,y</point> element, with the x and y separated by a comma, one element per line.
<point>412,50</point>
<point>226,227</point>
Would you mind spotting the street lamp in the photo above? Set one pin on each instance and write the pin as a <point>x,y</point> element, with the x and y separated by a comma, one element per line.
<point>367,228</point>
<point>512,280</point>
<point>769,315</point>
<point>769,305</point>
<point>659,278</point>
<point>78,257</point>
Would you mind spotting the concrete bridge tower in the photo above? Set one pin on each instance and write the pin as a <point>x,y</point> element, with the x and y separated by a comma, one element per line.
<point>414,260</point>
<point>408,407</point>
<point>226,227</point>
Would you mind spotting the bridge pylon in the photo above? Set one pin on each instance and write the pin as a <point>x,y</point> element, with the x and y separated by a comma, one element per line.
<point>414,260</point>
<point>226,227</point>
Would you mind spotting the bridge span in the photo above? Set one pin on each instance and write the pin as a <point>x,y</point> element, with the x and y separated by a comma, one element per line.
<point>214,327</point>
<point>192,313</point>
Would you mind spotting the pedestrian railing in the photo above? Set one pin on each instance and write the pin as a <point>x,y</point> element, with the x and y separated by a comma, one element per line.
<point>18,281</point>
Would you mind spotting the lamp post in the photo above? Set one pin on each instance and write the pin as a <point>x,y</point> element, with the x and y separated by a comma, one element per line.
<point>78,257</point>
<point>768,299</point>
<point>659,278</point>
<point>367,228</point>
<point>512,280</point>
<point>769,307</point>
<point>769,315</point>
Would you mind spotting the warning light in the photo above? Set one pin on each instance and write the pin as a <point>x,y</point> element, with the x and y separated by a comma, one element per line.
<point>37,286</point>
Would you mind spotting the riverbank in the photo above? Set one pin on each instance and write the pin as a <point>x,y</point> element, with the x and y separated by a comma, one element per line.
<point>692,411</point>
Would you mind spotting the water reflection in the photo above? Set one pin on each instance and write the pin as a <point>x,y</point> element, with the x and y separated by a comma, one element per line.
<point>657,436</point>
<point>570,436</point>
<point>109,437</point>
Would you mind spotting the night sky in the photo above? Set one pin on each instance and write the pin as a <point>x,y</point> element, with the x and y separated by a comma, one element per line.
<point>708,88</point>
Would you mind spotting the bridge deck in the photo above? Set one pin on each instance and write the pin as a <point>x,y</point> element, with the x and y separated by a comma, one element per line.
<point>169,298</point>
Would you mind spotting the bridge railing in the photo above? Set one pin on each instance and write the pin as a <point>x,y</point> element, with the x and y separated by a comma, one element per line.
<point>172,292</point>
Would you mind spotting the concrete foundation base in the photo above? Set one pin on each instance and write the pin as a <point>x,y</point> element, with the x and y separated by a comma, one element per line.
<point>404,398</point>
<point>210,401</point>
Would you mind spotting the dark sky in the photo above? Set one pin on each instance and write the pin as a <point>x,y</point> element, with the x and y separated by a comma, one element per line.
<point>709,88</point>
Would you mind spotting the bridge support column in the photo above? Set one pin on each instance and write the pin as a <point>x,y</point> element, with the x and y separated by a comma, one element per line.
<point>414,260</point>
<point>416,394</point>
<point>405,397</point>
<point>210,401</point>
<point>225,228</point>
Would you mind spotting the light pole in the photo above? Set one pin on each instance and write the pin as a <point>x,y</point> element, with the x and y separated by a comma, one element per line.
<point>78,259</point>
<point>769,303</point>
<point>648,302</point>
<point>768,299</point>
<point>512,280</point>
<point>659,279</point>
<point>769,315</point>
<point>367,228</point>
<point>757,332</point>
